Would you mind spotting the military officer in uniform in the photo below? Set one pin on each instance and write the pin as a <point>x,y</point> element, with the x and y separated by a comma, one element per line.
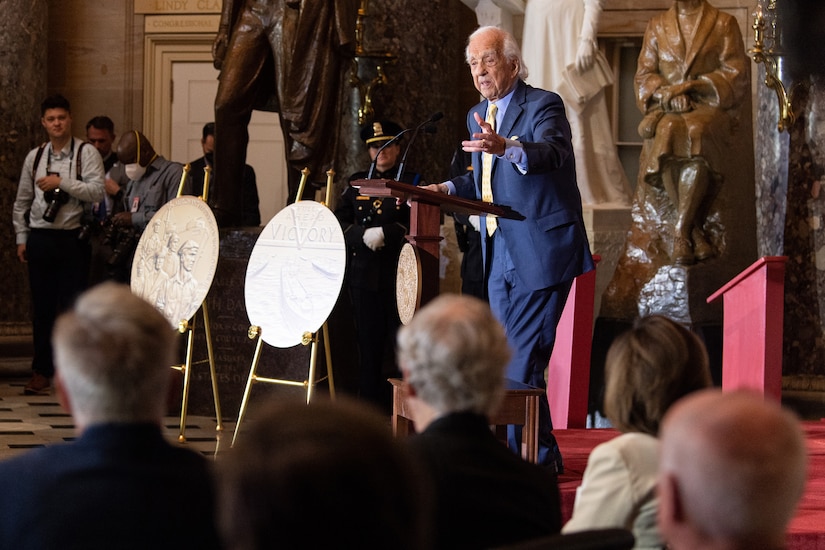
<point>374,231</point>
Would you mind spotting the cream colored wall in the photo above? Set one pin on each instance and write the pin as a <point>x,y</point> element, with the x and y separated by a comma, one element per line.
<point>96,60</point>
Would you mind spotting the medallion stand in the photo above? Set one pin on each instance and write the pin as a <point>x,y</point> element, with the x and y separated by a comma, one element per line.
<point>308,338</point>
<point>188,328</point>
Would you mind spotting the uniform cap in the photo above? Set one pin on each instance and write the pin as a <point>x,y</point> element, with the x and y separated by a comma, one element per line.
<point>379,131</point>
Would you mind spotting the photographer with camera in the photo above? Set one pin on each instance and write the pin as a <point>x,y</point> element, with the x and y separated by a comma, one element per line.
<point>153,181</point>
<point>58,180</point>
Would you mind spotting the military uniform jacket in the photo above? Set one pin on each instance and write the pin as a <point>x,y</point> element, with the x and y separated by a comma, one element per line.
<point>367,268</point>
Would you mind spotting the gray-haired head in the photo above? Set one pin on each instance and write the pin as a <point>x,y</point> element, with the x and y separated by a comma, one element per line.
<point>453,353</point>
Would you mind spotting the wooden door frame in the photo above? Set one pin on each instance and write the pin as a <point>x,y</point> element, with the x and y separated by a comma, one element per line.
<point>161,51</point>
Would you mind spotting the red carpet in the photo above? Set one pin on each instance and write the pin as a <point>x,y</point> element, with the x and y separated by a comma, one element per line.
<point>807,530</point>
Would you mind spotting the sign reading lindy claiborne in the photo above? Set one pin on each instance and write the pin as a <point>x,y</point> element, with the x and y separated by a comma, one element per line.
<point>177,6</point>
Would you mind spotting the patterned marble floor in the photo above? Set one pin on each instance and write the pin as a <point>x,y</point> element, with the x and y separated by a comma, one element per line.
<point>34,421</point>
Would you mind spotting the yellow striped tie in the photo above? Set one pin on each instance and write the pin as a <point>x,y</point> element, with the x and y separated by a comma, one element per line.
<point>486,173</point>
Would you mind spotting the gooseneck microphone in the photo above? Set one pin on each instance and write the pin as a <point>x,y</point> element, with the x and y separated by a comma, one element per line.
<point>434,118</point>
<point>395,138</point>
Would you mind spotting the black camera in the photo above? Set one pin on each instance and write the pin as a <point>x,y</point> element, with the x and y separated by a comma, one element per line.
<point>89,225</point>
<point>123,241</point>
<point>55,199</point>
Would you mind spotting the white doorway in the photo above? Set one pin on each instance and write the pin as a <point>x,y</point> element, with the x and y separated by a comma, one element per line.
<point>194,86</point>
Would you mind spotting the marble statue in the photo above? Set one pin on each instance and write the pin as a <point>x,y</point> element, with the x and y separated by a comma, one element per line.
<point>560,36</point>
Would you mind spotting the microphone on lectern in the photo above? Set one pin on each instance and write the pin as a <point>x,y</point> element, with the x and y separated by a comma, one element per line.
<point>374,162</point>
<point>434,118</point>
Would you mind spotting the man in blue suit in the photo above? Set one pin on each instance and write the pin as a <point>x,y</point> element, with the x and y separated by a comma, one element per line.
<point>521,144</point>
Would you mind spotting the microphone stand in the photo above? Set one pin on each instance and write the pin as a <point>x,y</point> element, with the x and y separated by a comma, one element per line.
<point>434,118</point>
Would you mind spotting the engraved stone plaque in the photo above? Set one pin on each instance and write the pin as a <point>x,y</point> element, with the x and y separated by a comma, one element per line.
<point>295,273</point>
<point>176,258</point>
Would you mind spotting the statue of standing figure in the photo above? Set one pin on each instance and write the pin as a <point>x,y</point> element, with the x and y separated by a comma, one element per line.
<point>281,55</point>
<point>559,38</point>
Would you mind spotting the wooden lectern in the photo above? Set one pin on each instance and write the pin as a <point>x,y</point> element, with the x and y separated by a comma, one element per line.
<point>425,221</point>
<point>752,328</point>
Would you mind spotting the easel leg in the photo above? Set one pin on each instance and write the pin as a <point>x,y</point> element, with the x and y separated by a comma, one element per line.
<point>210,354</point>
<point>328,355</point>
<point>313,360</point>
<point>187,376</point>
<point>254,332</point>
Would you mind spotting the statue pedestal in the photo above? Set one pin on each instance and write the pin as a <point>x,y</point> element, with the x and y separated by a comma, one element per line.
<point>607,226</point>
<point>232,348</point>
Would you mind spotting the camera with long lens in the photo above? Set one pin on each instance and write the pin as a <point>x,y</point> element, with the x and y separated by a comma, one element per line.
<point>55,199</point>
<point>89,225</point>
<point>122,239</point>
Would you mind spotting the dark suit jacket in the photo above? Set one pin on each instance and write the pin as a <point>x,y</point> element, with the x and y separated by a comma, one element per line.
<point>485,495</point>
<point>250,212</point>
<point>117,486</point>
<point>550,245</point>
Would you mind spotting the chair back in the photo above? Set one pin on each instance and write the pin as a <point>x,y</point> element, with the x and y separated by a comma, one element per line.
<point>593,539</point>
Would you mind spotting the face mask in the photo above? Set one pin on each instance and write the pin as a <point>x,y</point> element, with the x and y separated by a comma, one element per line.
<point>134,171</point>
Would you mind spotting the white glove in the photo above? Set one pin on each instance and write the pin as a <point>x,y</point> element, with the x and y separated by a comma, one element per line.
<point>374,238</point>
<point>587,36</point>
<point>475,221</point>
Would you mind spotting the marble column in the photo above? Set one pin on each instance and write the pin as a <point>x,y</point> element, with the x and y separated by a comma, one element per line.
<point>23,73</point>
<point>803,238</point>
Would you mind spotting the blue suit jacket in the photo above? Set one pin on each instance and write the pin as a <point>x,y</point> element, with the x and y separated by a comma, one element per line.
<point>117,486</point>
<point>550,245</point>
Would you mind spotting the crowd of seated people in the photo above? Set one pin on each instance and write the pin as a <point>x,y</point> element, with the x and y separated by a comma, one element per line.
<point>331,474</point>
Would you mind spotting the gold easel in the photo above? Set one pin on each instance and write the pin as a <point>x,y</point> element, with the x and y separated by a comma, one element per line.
<point>308,338</point>
<point>186,326</point>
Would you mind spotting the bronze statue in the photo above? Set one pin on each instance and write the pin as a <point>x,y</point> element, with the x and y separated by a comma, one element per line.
<point>694,214</point>
<point>691,80</point>
<point>285,56</point>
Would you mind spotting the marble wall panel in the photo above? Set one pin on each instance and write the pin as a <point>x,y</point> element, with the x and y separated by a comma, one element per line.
<point>23,73</point>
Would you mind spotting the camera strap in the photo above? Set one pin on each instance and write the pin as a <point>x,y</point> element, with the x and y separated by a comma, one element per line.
<point>78,163</point>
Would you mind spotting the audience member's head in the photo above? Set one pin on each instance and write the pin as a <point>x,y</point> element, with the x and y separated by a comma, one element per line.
<point>113,351</point>
<point>648,368</point>
<point>453,354</point>
<point>731,472</point>
<point>324,475</point>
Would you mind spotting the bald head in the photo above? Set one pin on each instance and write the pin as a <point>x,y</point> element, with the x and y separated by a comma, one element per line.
<point>134,147</point>
<point>732,469</point>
